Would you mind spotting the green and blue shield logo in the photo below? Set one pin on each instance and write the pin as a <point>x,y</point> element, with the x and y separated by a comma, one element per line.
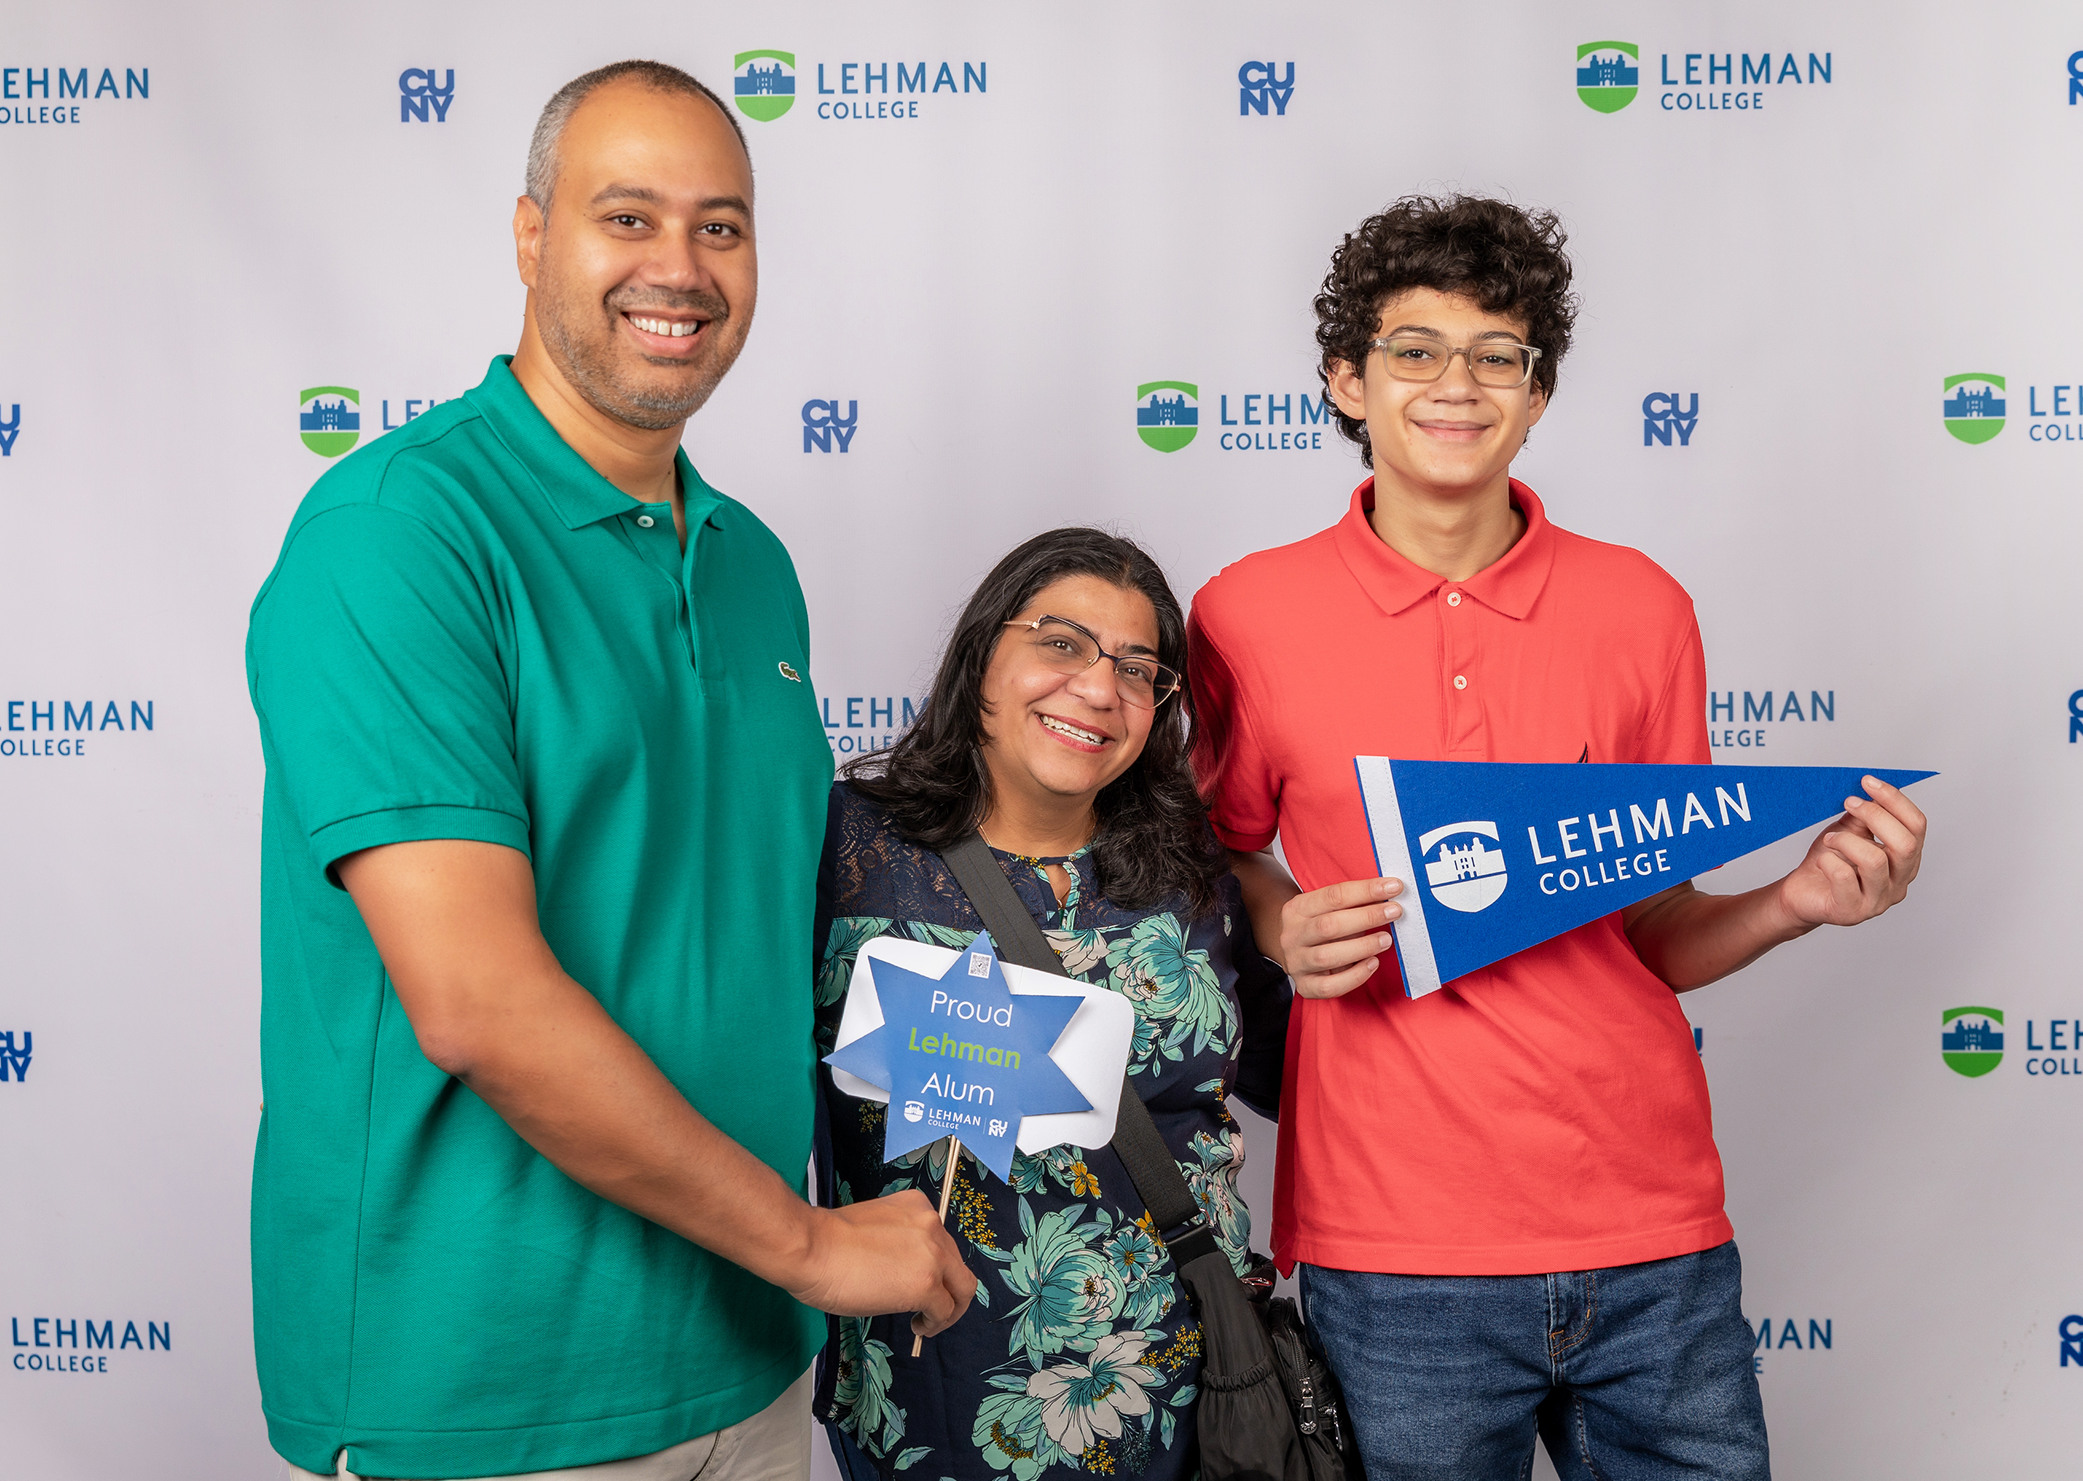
<point>330,427</point>
<point>1168,414</point>
<point>1609,74</point>
<point>1974,406</point>
<point>764,84</point>
<point>1971,1039</point>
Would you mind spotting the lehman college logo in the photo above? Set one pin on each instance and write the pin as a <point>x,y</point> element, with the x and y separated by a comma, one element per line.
<point>1168,422</point>
<point>765,85</point>
<point>1609,74</point>
<point>330,428</point>
<point>1974,406</point>
<point>1466,874</point>
<point>1972,1041</point>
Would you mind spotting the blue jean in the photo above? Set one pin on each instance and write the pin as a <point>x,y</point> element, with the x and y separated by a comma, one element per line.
<point>1632,1373</point>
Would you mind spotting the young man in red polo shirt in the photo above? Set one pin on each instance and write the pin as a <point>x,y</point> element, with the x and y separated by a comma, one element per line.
<point>1504,1196</point>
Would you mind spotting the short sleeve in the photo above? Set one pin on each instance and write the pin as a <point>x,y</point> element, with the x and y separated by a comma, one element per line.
<point>383,704</point>
<point>1236,779</point>
<point>1676,731</point>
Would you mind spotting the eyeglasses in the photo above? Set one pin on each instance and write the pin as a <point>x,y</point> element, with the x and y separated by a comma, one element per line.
<point>1499,364</point>
<point>1067,648</point>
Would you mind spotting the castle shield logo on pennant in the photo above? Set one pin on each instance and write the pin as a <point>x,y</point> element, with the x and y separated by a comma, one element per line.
<point>1465,873</point>
<point>1971,1040</point>
<point>1975,406</point>
<point>764,84</point>
<point>1609,74</point>
<point>1168,414</point>
<point>329,428</point>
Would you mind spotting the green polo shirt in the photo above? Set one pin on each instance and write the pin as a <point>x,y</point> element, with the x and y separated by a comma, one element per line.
<point>471,634</point>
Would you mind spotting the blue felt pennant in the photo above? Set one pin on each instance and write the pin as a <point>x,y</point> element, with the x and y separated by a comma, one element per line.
<point>1496,857</point>
<point>961,1055</point>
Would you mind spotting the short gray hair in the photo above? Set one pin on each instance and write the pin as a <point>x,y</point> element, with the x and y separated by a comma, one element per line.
<point>549,129</point>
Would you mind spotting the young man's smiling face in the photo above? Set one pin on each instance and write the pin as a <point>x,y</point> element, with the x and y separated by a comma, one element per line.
<point>1448,436</point>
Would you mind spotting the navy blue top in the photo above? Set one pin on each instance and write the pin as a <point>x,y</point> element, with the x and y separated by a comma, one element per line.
<point>1080,1351</point>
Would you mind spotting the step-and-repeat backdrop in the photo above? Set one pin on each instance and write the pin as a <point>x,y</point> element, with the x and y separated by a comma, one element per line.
<point>1828,374</point>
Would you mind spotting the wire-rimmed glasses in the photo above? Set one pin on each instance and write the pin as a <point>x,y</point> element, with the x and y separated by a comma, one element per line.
<point>1068,648</point>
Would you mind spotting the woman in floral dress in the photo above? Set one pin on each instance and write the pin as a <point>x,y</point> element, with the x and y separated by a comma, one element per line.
<point>1055,727</point>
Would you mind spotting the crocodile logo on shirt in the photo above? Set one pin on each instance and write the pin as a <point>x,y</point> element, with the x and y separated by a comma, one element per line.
<point>1464,872</point>
<point>788,672</point>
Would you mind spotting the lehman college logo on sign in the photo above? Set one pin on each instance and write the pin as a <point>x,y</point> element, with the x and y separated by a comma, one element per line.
<point>1971,1040</point>
<point>1974,406</point>
<point>1609,74</point>
<point>1466,874</point>
<point>1168,414</point>
<point>764,86</point>
<point>329,427</point>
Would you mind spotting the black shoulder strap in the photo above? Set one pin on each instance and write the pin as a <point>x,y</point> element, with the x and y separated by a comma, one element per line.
<point>1142,1151</point>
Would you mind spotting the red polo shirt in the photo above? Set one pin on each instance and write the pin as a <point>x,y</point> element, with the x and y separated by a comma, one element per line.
<point>1546,1113</point>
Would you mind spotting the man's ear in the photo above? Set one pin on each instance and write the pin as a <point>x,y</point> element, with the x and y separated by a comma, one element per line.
<point>1347,389</point>
<point>528,229</point>
<point>1536,403</point>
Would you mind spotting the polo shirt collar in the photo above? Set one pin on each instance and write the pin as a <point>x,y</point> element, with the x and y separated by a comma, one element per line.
<point>1510,585</point>
<point>578,494</point>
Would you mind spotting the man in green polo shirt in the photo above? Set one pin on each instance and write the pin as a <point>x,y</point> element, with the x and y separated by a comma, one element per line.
<point>545,791</point>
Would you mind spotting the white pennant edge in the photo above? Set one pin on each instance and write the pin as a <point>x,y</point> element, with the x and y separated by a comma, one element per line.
<point>1392,858</point>
<point>1092,1051</point>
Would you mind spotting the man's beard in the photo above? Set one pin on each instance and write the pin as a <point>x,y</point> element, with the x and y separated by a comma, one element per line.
<point>589,360</point>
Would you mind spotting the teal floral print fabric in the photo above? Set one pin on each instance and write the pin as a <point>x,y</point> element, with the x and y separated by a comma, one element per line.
<point>1080,1352</point>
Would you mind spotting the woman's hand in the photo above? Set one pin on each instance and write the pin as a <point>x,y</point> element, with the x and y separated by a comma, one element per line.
<point>1332,939</point>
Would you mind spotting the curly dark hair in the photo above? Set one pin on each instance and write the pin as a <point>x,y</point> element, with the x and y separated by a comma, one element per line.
<point>1509,260</point>
<point>1153,840</point>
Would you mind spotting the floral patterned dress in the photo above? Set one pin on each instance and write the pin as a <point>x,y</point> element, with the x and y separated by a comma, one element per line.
<point>1080,1351</point>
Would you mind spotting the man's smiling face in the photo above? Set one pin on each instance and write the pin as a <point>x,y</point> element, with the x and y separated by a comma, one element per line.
<point>1450,434</point>
<point>643,276</point>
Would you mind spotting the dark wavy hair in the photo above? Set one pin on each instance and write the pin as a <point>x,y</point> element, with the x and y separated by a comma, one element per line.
<point>1153,840</point>
<point>1507,259</point>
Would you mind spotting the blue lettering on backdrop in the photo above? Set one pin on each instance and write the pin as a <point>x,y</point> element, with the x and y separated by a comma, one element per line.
<point>1260,84</point>
<point>823,425</point>
<point>420,97</point>
<point>962,1056</point>
<point>10,427</point>
<point>1663,415</point>
<point>1620,833</point>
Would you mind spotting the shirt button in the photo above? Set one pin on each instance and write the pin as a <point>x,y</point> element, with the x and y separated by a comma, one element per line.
<point>1453,599</point>
<point>1460,681</point>
<point>646,521</point>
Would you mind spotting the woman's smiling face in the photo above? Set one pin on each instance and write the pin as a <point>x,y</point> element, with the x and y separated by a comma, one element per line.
<point>1053,735</point>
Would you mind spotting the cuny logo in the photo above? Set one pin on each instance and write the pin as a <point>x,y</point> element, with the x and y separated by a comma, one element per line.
<point>10,428</point>
<point>1465,874</point>
<point>1260,83</point>
<point>16,1060</point>
<point>1168,414</point>
<point>1667,412</point>
<point>822,423</point>
<point>1609,74</point>
<point>330,428</point>
<point>764,85</point>
<point>1971,1040</point>
<point>1974,406</point>
<point>419,98</point>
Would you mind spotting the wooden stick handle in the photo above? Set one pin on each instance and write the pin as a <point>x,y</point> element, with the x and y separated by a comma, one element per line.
<point>947,1188</point>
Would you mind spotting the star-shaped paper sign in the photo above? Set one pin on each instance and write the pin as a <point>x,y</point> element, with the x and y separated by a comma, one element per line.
<point>961,1055</point>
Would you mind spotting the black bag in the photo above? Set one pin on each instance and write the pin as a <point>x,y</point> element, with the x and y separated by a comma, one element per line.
<point>1269,1409</point>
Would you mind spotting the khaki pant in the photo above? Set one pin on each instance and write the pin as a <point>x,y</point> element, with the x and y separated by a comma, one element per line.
<point>773,1445</point>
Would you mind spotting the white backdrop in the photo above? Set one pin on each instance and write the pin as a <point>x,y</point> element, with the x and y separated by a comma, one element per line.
<point>990,281</point>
